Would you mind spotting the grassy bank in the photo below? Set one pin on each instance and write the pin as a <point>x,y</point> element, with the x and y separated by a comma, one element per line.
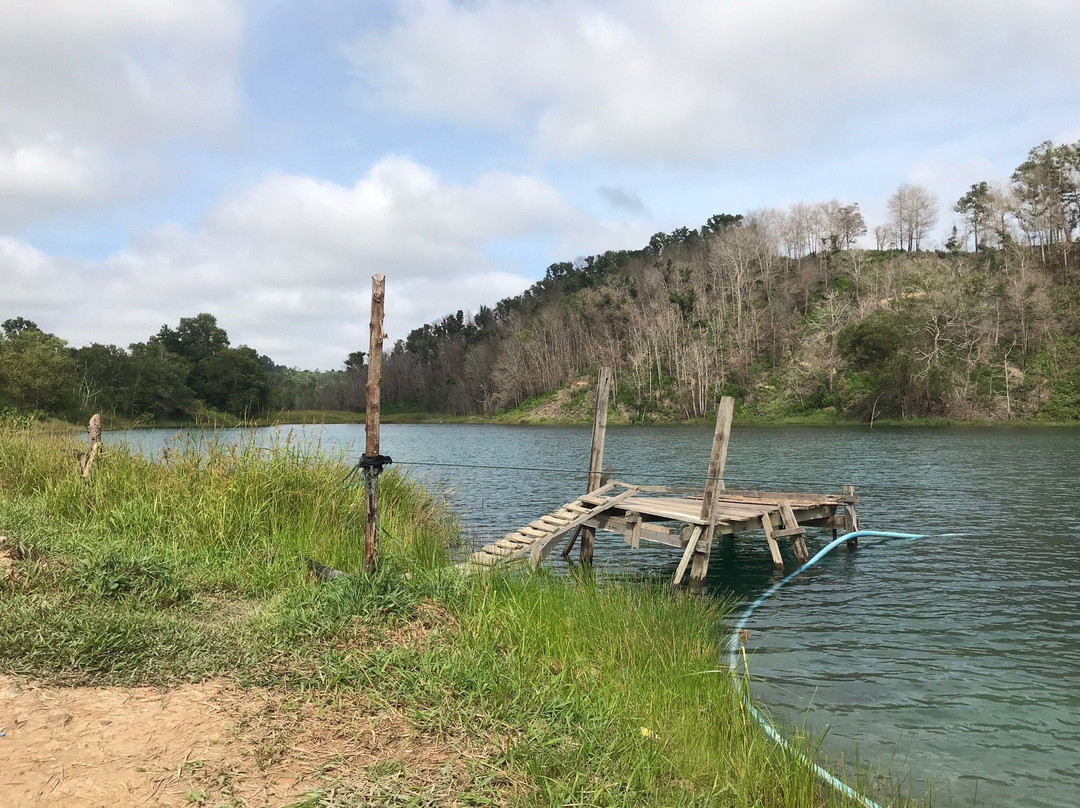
<point>187,566</point>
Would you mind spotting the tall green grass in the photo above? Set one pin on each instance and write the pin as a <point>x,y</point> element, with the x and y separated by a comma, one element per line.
<point>585,691</point>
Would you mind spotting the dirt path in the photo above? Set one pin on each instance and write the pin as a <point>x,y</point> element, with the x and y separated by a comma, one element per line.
<point>204,744</point>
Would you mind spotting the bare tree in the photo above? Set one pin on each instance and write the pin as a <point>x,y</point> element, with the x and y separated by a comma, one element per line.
<point>912,212</point>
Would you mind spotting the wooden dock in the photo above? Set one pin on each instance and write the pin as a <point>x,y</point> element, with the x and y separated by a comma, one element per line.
<point>686,519</point>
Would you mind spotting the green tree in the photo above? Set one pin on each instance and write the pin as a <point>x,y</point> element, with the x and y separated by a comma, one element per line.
<point>233,380</point>
<point>105,374</point>
<point>159,383</point>
<point>36,369</point>
<point>1047,185</point>
<point>879,349</point>
<point>195,338</point>
<point>976,206</point>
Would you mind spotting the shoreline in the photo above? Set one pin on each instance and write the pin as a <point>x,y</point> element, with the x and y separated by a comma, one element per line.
<point>335,417</point>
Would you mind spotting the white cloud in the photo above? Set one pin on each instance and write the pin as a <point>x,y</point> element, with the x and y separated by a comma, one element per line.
<point>45,170</point>
<point>86,86</point>
<point>286,265</point>
<point>697,81</point>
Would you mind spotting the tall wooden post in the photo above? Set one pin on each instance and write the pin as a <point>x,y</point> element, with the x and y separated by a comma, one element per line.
<point>596,454</point>
<point>372,460</point>
<point>713,486</point>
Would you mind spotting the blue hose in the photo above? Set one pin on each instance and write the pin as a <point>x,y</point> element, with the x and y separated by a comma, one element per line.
<point>736,644</point>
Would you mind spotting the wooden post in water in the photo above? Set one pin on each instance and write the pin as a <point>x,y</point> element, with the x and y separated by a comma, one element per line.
<point>851,521</point>
<point>93,448</point>
<point>596,455</point>
<point>713,486</point>
<point>372,460</point>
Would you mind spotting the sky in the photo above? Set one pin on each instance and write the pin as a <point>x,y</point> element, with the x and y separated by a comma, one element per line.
<point>262,160</point>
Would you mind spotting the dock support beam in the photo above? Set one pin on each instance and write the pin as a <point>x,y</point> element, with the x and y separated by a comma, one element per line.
<point>596,455</point>
<point>713,486</point>
<point>851,520</point>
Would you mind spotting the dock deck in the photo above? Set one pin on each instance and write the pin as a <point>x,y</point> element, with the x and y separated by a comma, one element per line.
<point>674,517</point>
<point>687,519</point>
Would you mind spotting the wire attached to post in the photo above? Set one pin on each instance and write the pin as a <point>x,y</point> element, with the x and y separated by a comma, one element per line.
<point>368,466</point>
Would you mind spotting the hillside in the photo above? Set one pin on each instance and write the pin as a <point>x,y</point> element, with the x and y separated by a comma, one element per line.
<point>844,333</point>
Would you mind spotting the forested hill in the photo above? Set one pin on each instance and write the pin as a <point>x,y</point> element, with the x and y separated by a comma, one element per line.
<point>778,309</point>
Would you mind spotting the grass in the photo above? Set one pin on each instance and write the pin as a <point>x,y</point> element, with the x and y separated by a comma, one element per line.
<point>176,568</point>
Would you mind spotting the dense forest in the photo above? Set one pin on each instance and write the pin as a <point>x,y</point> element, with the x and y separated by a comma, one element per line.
<point>780,308</point>
<point>179,373</point>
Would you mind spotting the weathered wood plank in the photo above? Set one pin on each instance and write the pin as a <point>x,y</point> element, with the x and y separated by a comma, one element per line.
<point>688,552</point>
<point>774,548</point>
<point>718,458</point>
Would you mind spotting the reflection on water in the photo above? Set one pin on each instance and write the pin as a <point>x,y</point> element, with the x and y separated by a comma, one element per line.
<point>953,660</point>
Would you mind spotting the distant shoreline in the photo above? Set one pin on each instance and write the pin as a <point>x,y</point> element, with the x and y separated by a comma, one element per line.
<point>313,417</point>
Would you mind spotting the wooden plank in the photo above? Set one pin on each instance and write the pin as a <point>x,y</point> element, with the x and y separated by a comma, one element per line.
<point>658,534</point>
<point>713,486</point>
<point>575,508</point>
<point>600,494</point>
<point>632,530</point>
<point>788,532</point>
<point>718,458</point>
<point>596,450</point>
<point>792,529</point>
<point>774,548</point>
<point>530,531</point>
<point>573,540</point>
<point>688,552</point>
<point>596,456</point>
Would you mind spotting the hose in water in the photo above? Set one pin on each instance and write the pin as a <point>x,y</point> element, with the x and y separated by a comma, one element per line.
<point>736,643</point>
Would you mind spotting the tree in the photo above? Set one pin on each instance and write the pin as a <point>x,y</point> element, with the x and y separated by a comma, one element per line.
<point>159,383</point>
<point>912,212</point>
<point>16,325</point>
<point>36,369</point>
<point>233,380</point>
<point>722,221</point>
<point>1047,186</point>
<point>195,338</point>
<point>976,206</point>
<point>105,374</point>
<point>847,225</point>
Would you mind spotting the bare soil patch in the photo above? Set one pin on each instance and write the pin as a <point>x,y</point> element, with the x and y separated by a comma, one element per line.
<point>212,744</point>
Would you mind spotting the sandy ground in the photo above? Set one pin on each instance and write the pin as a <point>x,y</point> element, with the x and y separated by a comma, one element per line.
<point>204,744</point>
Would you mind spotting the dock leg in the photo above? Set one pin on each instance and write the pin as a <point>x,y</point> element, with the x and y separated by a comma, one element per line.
<point>573,540</point>
<point>700,567</point>
<point>688,553</point>
<point>588,539</point>
<point>791,528</point>
<point>774,548</point>
<point>851,520</point>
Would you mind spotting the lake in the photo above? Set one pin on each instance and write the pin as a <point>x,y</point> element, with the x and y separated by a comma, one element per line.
<point>952,662</point>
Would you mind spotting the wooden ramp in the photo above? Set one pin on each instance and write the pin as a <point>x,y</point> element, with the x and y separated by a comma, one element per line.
<point>536,539</point>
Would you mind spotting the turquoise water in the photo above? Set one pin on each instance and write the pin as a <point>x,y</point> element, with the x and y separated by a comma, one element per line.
<point>952,663</point>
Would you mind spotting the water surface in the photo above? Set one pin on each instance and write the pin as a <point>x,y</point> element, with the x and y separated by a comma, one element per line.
<point>953,662</point>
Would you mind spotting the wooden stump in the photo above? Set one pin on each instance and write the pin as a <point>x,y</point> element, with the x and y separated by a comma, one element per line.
<point>93,448</point>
